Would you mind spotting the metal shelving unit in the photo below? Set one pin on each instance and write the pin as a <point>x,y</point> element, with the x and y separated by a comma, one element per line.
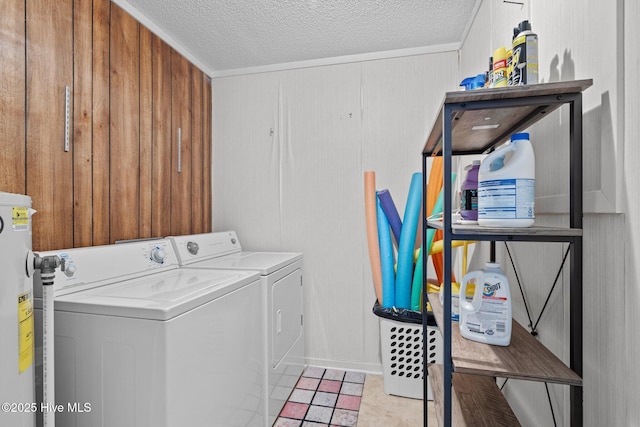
<point>460,129</point>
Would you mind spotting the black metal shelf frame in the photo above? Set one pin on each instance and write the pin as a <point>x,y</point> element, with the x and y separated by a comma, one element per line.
<point>575,222</point>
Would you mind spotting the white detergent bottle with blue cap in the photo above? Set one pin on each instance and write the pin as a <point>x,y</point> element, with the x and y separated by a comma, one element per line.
<point>487,317</point>
<point>506,185</point>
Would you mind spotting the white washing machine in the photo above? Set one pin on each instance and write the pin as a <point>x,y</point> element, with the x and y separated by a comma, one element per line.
<point>283,325</point>
<point>140,342</point>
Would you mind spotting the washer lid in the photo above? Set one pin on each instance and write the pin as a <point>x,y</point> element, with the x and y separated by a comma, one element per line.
<point>12,199</point>
<point>264,262</point>
<point>159,296</point>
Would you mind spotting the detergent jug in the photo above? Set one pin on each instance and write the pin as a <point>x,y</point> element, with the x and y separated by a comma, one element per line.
<point>487,318</point>
<point>506,185</point>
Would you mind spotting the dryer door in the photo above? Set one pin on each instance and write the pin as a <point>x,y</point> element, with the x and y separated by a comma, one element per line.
<point>286,315</point>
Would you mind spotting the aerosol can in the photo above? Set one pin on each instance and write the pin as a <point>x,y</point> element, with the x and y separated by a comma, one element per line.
<point>524,56</point>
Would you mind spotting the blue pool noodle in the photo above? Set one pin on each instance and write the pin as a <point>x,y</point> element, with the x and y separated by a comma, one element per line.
<point>391,212</point>
<point>407,243</point>
<point>386,259</point>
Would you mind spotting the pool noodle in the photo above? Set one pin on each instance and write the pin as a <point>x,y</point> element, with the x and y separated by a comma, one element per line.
<point>433,189</point>
<point>386,259</point>
<point>435,183</point>
<point>407,242</point>
<point>391,212</point>
<point>418,243</point>
<point>438,246</point>
<point>371,222</point>
<point>416,287</point>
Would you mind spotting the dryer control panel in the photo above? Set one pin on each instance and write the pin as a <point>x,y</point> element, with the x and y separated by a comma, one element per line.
<point>199,247</point>
<point>94,266</point>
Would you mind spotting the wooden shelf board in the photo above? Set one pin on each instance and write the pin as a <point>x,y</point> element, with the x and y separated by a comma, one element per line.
<point>510,119</point>
<point>476,400</point>
<point>461,230</point>
<point>525,358</point>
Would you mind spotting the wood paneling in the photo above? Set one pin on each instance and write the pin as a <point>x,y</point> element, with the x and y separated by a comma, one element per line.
<point>82,123</point>
<point>197,163</point>
<point>124,156</point>
<point>49,168</point>
<point>206,154</point>
<point>181,152</point>
<point>100,129</point>
<point>129,94</point>
<point>12,97</point>
<point>161,162</point>
<point>146,131</point>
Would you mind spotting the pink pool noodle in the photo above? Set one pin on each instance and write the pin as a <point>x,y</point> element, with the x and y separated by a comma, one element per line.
<point>371,221</point>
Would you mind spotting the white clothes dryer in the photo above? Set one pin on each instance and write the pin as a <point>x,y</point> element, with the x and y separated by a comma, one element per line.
<point>140,342</point>
<point>283,324</point>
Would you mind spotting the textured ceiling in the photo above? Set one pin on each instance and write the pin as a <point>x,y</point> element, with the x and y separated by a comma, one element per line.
<point>242,34</point>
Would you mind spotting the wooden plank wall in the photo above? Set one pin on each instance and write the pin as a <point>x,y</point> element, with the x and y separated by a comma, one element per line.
<point>124,100</point>
<point>129,92</point>
<point>49,62</point>
<point>206,155</point>
<point>12,106</point>
<point>82,123</point>
<point>100,130</point>
<point>180,152</point>
<point>161,142</point>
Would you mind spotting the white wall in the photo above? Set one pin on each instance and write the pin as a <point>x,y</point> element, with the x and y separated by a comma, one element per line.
<point>300,188</point>
<point>626,346</point>
<point>579,40</point>
<point>289,153</point>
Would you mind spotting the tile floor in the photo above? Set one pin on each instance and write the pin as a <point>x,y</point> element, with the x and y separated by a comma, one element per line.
<point>323,398</point>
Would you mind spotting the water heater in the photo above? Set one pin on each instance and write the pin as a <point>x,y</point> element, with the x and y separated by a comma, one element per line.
<point>17,387</point>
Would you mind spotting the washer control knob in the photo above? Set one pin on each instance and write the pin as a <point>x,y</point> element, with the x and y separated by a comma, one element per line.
<point>193,248</point>
<point>158,255</point>
<point>70,269</point>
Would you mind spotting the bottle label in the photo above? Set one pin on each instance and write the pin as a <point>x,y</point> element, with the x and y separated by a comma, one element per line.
<point>469,200</point>
<point>492,317</point>
<point>506,199</point>
<point>500,73</point>
<point>525,60</point>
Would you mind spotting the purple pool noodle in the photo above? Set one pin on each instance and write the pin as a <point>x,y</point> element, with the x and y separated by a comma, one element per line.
<point>386,260</point>
<point>391,212</point>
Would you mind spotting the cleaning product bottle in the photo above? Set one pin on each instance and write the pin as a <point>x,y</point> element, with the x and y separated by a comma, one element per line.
<point>487,318</point>
<point>510,63</point>
<point>469,193</point>
<point>506,185</point>
<point>525,56</point>
<point>500,67</point>
<point>509,66</point>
